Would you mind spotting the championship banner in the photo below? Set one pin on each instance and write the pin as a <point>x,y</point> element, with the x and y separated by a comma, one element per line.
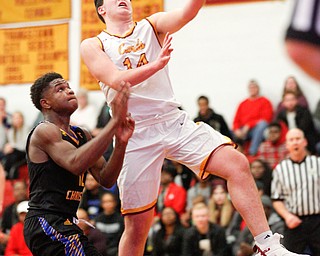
<point>12,11</point>
<point>27,53</point>
<point>91,26</point>
<point>144,8</point>
<point>209,2</point>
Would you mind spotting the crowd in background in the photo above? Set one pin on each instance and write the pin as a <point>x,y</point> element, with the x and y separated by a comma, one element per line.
<point>192,216</point>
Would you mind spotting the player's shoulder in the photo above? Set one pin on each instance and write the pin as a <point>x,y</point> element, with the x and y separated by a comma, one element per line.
<point>46,130</point>
<point>90,41</point>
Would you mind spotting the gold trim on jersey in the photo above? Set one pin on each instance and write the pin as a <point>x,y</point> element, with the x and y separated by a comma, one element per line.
<point>129,33</point>
<point>140,209</point>
<point>100,43</point>
<point>73,136</point>
<point>203,174</point>
<point>155,32</point>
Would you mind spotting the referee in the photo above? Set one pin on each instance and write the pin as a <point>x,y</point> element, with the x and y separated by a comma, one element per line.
<point>295,190</point>
<point>302,39</point>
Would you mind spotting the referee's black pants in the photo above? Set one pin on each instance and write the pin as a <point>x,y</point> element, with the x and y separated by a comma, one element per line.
<point>306,235</point>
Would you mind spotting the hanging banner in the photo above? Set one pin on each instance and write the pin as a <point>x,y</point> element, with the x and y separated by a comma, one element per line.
<point>144,8</point>
<point>27,53</point>
<point>92,26</point>
<point>12,11</point>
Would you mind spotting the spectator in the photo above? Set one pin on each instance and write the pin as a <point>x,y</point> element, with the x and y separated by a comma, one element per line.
<point>95,236</point>
<point>5,123</point>
<point>16,243</point>
<point>245,241</point>
<point>316,116</point>
<point>204,238</point>
<point>295,191</point>
<point>203,188</point>
<point>102,120</point>
<point>10,216</point>
<point>2,187</point>
<point>86,114</point>
<point>263,173</point>
<point>110,222</point>
<point>291,84</point>
<point>252,118</point>
<point>295,116</point>
<point>14,149</point>
<point>167,241</point>
<point>170,194</point>
<point>273,149</point>
<point>184,176</point>
<point>220,206</point>
<point>207,115</point>
<point>91,198</point>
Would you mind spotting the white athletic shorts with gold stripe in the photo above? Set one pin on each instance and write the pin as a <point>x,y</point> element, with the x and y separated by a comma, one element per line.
<point>174,137</point>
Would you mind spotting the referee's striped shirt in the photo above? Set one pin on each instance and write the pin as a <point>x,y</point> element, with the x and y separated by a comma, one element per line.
<point>298,185</point>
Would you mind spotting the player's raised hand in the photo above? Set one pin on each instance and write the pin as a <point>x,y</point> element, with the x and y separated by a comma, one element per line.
<point>119,104</point>
<point>125,130</point>
<point>165,53</point>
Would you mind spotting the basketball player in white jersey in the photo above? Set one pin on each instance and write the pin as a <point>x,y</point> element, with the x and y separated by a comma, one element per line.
<point>138,53</point>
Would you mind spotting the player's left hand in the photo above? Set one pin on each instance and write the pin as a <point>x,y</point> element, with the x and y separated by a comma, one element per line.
<point>125,130</point>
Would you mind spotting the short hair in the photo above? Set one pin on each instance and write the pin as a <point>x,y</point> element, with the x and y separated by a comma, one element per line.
<point>202,97</point>
<point>275,124</point>
<point>40,86</point>
<point>200,206</point>
<point>290,92</point>
<point>97,4</point>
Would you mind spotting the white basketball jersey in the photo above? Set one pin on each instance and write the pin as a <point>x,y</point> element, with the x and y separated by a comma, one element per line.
<point>153,97</point>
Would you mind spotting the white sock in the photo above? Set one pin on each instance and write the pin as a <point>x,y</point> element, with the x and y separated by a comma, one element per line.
<point>263,237</point>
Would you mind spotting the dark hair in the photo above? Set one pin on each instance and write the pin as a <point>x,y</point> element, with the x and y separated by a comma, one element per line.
<point>40,86</point>
<point>97,4</point>
<point>177,221</point>
<point>275,124</point>
<point>298,91</point>
<point>169,168</point>
<point>202,97</point>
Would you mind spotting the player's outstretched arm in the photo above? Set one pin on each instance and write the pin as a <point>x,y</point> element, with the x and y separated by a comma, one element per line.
<point>174,20</point>
<point>104,70</point>
<point>47,139</point>
<point>106,173</point>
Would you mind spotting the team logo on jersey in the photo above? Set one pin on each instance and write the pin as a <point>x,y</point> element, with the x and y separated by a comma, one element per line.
<point>123,48</point>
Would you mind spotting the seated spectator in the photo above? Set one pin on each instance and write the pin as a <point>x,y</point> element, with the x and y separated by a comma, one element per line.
<point>14,149</point>
<point>102,120</point>
<point>204,237</point>
<point>16,243</point>
<point>170,194</point>
<point>207,115</point>
<point>184,176</point>
<point>295,116</point>
<point>95,236</point>
<point>86,114</point>
<point>220,207</point>
<point>10,216</point>
<point>2,187</point>
<point>291,84</point>
<point>203,188</point>
<point>5,124</point>
<point>91,197</point>
<point>245,242</point>
<point>110,222</point>
<point>273,149</point>
<point>263,173</point>
<point>251,119</point>
<point>167,241</point>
